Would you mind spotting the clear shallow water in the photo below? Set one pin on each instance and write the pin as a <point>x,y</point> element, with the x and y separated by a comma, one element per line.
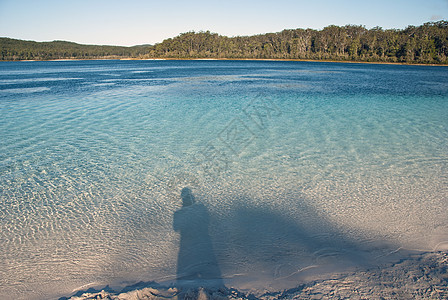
<point>297,168</point>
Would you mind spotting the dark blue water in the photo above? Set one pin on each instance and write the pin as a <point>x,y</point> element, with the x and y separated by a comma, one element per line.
<point>296,169</point>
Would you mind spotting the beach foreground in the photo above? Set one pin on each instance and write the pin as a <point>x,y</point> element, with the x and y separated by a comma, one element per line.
<point>422,276</point>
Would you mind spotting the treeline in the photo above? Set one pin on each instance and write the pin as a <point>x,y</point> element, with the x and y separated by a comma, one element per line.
<point>12,49</point>
<point>427,44</point>
<point>423,44</point>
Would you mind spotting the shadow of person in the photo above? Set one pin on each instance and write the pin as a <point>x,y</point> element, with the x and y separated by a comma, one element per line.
<point>196,263</point>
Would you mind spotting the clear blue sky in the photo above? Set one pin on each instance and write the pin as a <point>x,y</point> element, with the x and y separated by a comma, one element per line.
<point>132,22</point>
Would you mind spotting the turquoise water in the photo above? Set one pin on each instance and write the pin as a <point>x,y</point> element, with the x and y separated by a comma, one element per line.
<point>300,168</point>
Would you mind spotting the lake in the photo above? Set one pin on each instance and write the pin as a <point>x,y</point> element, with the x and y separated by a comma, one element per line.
<point>252,174</point>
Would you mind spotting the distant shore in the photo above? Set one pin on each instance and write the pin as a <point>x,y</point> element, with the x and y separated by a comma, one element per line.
<point>240,59</point>
<point>426,44</point>
<point>300,60</point>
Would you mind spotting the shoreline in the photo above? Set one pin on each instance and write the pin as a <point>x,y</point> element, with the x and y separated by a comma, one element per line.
<point>239,59</point>
<point>420,276</point>
<point>299,60</point>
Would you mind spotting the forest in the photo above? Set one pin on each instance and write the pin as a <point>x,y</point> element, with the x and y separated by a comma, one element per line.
<point>13,49</point>
<point>425,44</point>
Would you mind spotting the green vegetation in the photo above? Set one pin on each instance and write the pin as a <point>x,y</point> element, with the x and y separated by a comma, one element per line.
<point>12,49</point>
<point>424,44</point>
<point>427,44</point>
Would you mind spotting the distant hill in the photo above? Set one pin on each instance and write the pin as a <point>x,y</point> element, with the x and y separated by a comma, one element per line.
<point>426,44</point>
<point>13,49</point>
